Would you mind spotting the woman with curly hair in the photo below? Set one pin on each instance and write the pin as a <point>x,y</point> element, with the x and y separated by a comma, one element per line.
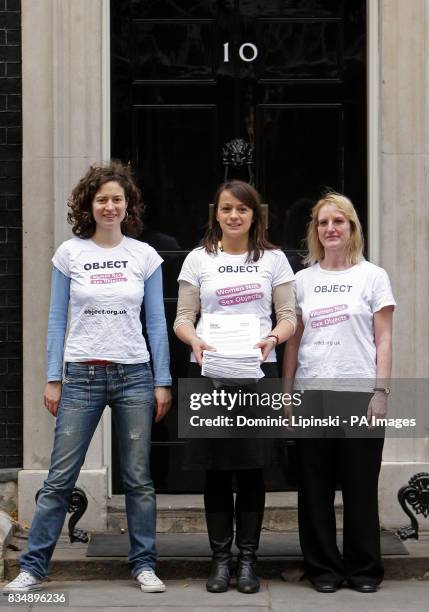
<point>105,275</point>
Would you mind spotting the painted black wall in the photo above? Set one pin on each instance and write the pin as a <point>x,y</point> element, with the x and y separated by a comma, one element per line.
<point>10,235</point>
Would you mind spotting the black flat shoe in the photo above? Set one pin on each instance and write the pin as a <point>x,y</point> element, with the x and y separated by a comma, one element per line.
<point>325,587</point>
<point>364,588</point>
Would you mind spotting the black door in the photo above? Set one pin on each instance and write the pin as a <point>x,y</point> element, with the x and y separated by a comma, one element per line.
<point>287,78</point>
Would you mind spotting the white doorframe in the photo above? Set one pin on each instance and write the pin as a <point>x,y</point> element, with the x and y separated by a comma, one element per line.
<point>373,129</point>
<point>105,147</point>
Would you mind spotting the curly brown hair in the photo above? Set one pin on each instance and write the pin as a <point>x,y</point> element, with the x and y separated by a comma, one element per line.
<point>82,196</point>
<point>247,194</point>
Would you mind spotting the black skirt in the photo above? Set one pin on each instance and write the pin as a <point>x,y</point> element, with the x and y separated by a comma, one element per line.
<point>233,453</point>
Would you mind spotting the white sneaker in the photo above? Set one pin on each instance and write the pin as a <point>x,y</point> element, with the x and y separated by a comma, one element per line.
<point>149,582</point>
<point>23,583</point>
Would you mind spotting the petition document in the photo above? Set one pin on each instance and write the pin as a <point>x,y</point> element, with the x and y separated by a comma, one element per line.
<point>233,337</point>
<point>231,334</point>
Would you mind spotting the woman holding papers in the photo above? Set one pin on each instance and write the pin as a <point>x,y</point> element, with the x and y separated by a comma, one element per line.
<point>343,345</point>
<point>235,271</point>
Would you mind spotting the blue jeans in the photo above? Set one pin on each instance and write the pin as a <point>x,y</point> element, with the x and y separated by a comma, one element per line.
<point>128,390</point>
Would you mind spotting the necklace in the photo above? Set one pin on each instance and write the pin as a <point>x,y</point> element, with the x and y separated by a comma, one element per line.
<point>222,250</point>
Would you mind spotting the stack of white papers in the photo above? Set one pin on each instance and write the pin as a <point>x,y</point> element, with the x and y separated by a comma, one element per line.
<point>233,337</point>
<point>218,365</point>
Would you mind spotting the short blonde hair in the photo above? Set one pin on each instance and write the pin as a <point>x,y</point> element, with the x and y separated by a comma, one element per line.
<point>316,252</point>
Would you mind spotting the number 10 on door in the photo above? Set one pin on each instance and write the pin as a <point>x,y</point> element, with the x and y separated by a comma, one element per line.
<point>248,52</point>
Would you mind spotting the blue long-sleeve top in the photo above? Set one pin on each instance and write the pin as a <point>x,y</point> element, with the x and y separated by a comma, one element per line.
<point>155,325</point>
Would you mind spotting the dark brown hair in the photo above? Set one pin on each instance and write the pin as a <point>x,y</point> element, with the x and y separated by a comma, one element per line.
<point>82,196</point>
<point>248,195</point>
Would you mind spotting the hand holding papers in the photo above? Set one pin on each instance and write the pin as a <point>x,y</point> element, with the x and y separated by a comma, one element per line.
<point>234,337</point>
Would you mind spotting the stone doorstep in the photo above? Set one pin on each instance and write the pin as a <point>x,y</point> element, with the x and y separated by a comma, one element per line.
<point>70,563</point>
<point>185,513</point>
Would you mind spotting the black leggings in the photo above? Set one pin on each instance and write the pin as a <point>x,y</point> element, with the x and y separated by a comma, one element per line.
<point>218,493</point>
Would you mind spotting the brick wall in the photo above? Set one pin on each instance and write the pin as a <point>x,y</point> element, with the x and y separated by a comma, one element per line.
<point>10,235</point>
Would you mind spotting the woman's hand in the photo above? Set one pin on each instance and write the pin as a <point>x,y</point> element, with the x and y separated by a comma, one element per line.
<point>162,402</point>
<point>266,344</point>
<point>198,346</point>
<point>377,408</point>
<point>52,396</point>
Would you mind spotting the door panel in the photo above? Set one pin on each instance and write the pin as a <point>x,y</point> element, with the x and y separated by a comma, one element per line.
<point>188,76</point>
<point>173,50</point>
<point>166,9</point>
<point>163,137</point>
<point>310,140</point>
<point>299,50</point>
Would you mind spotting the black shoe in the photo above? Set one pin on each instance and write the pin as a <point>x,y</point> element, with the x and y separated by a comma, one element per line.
<point>247,580</point>
<point>326,587</point>
<point>364,587</point>
<point>218,581</point>
<point>220,532</point>
<point>247,539</point>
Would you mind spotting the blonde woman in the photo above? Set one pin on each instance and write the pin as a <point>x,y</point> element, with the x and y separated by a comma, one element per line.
<point>343,343</point>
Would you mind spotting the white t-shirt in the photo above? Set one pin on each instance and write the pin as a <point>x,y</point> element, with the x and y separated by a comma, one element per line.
<point>106,294</point>
<point>337,308</point>
<point>230,285</point>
